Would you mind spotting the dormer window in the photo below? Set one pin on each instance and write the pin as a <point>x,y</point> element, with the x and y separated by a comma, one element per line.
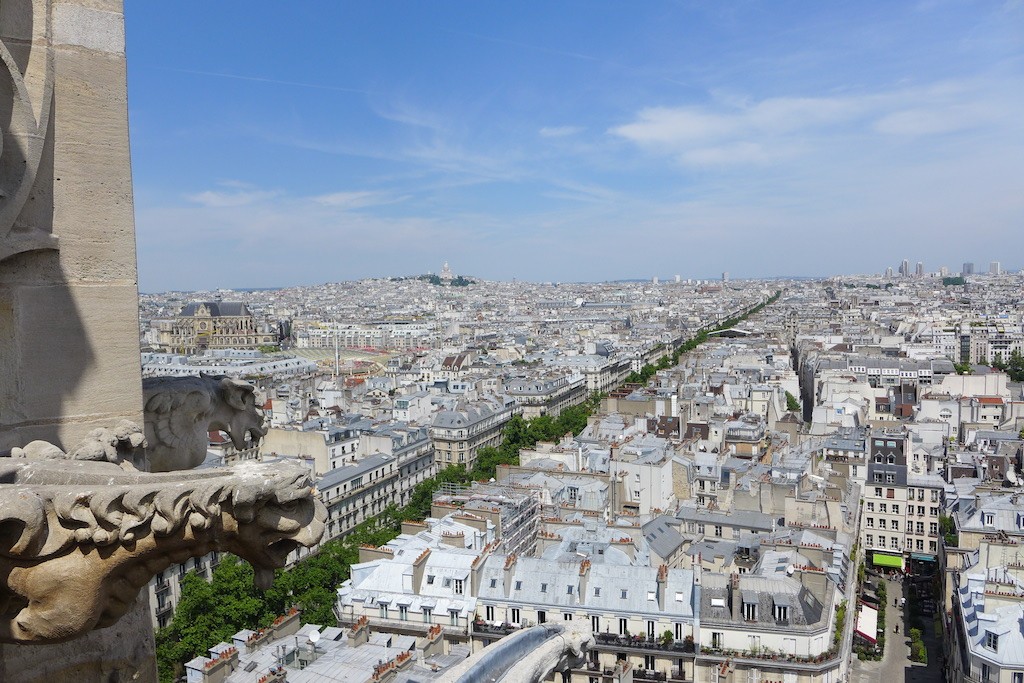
<point>781,613</point>
<point>988,518</point>
<point>992,641</point>
<point>750,611</point>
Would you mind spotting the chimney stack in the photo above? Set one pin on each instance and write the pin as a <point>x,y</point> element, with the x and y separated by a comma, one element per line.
<point>662,586</point>
<point>359,633</point>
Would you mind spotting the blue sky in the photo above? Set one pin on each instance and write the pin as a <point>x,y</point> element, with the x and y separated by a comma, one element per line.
<point>276,144</point>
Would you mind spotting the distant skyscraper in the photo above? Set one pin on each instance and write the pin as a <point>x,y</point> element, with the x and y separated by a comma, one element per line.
<point>944,271</point>
<point>677,279</point>
<point>919,271</point>
<point>968,268</point>
<point>995,268</point>
<point>654,279</point>
<point>888,271</point>
<point>725,276</point>
<point>905,268</point>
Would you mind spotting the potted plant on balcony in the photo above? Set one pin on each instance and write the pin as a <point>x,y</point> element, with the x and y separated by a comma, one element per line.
<point>666,638</point>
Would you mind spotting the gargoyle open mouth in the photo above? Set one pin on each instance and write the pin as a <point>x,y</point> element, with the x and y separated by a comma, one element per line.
<point>273,556</point>
<point>280,550</point>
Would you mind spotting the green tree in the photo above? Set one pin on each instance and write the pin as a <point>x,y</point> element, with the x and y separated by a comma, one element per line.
<point>208,613</point>
<point>1015,366</point>
<point>792,404</point>
<point>948,530</point>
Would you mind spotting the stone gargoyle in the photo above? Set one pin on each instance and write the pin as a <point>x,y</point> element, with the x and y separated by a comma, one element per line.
<point>180,412</point>
<point>80,538</point>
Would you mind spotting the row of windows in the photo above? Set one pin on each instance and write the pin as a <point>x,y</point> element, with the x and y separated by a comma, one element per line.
<point>885,508</point>
<point>894,543</point>
<point>920,494</point>
<point>933,527</point>
<point>515,617</point>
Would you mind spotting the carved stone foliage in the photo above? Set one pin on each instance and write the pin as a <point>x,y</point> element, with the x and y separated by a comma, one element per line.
<point>123,443</point>
<point>26,97</point>
<point>180,412</point>
<point>79,539</point>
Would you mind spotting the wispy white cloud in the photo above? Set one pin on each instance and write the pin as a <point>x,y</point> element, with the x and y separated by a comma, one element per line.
<point>936,121</point>
<point>739,131</point>
<point>743,153</point>
<point>742,131</point>
<point>219,199</point>
<point>356,200</point>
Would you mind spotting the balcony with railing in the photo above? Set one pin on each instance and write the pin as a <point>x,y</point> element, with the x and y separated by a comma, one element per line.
<point>595,670</point>
<point>489,629</point>
<point>673,648</point>
<point>773,659</point>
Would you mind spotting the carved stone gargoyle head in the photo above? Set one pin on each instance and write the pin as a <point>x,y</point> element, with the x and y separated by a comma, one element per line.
<point>180,412</point>
<point>79,539</point>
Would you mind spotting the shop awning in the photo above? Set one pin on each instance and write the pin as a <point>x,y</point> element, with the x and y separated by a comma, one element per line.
<point>867,624</point>
<point>922,558</point>
<point>884,560</point>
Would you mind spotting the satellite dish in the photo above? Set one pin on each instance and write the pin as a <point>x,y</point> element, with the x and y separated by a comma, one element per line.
<point>314,637</point>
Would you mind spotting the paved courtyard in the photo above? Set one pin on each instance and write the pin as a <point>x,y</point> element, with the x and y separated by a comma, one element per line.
<point>896,666</point>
